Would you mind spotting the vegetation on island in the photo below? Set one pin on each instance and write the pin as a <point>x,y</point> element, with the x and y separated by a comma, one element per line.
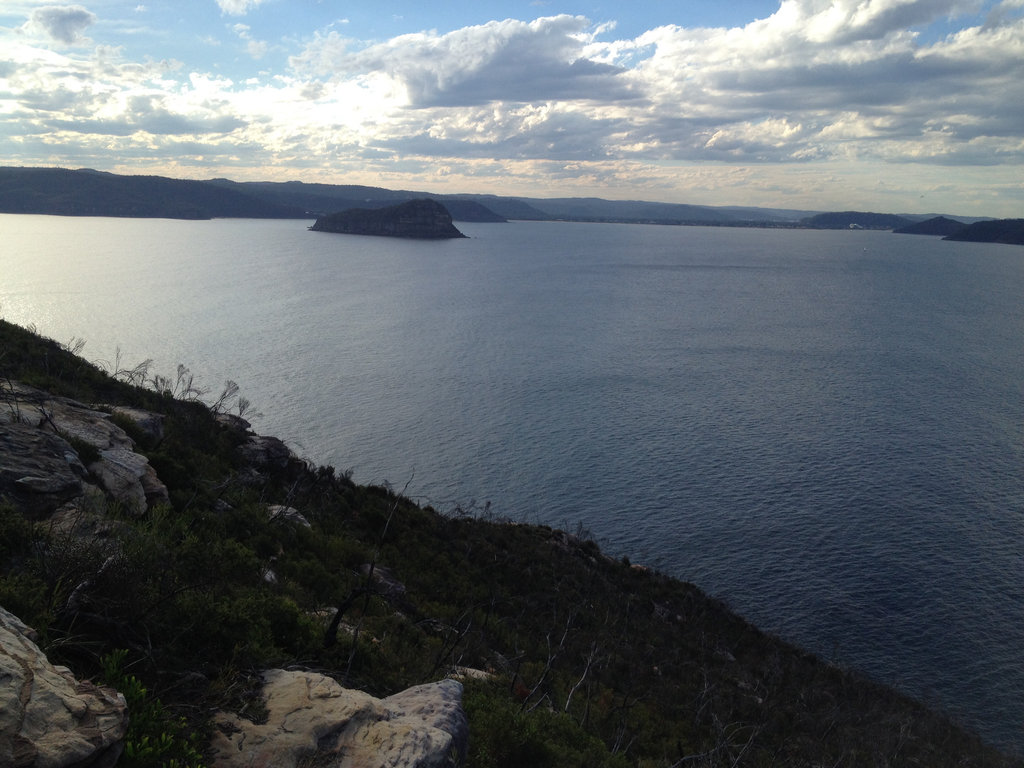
<point>1006,231</point>
<point>855,220</point>
<point>938,225</point>
<point>570,657</point>
<point>422,219</point>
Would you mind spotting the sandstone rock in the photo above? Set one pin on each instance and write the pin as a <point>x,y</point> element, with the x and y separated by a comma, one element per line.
<point>128,477</point>
<point>151,424</point>
<point>38,469</point>
<point>47,718</point>
<point>267,453</point>
<point>311,717</point>
<point>285,514</point>
<point>42,470</point>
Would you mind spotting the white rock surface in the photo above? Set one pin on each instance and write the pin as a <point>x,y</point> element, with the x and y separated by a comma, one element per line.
<point>311,715</point>
<point>33,446</point>
<point>48,719</point>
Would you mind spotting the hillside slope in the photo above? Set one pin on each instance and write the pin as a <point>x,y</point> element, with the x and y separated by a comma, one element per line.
<point>255,558</point>
<point>1006,231</point>
<point>91,193</point>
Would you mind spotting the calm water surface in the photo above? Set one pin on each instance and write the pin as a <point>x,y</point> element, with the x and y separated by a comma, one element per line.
<point>824,428</point>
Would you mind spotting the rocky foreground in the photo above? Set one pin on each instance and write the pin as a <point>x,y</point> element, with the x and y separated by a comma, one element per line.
<point>200,596</point>
<point>50,718</point>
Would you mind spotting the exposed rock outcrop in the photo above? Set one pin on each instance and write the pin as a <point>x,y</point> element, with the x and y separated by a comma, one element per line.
<point>48,719</point>
<point>421,219</point>
<point>313,720</point>
<point>40,469</point>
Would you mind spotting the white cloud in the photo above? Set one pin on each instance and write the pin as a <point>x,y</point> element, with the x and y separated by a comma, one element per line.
<point>820,84</point>
<point>499,61</point>
<point>237,7</point>
<point>63,23</point>
<point>257,49</point>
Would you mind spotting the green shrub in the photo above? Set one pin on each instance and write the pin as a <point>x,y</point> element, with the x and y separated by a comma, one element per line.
<point>156,738</point>
<point>503,736</point>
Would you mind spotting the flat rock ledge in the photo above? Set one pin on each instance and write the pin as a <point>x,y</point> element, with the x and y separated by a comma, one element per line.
<point>48,719</point>
<point>312,720</point>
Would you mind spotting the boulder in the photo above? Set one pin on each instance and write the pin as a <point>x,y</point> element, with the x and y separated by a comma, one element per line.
<point>266,453</point>
<point>128,477</point>
<point>285,514</point>
<point>41,469</point>
<point>267,456</point>
<point>311,719</point>
<point>151,424</point>
<point>48,719</point>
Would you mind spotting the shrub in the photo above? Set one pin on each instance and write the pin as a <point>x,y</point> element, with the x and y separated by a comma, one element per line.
<point>156,738</point>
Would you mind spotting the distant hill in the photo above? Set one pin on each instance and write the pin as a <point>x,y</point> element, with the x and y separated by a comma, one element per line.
<point>1009,231</point>
<point>638,211</point>
<point>506,207</point>
<point>95,193</point>
<point>940,225</point>
<point>751,213</point>
<point>417,219</point>
<point>323,199</point>
<point>855,220</point>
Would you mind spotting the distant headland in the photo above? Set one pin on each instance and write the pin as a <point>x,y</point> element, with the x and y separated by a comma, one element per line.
<point>86,192</point>
<point>422,219</point>
<point>1007,231</point>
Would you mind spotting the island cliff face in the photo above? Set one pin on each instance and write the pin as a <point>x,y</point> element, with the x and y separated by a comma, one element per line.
<point>420,219</point>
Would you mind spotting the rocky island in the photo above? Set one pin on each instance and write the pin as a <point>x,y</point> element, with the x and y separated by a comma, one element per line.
<point>423,219</point>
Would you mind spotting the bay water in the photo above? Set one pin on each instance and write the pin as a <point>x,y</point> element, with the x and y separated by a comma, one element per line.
<point>824,429</point>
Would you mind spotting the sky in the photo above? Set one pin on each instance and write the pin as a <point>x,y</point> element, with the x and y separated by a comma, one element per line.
<point>897,106</point>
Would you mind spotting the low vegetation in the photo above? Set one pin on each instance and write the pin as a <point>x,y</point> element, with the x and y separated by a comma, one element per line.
<point>569,657</point>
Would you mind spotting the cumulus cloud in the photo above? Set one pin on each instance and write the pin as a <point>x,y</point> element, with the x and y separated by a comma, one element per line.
<point>814,63</point>
<point>925,83</point>
<point>63,23</point>
<point>506,60</point>
<point>818,79</point>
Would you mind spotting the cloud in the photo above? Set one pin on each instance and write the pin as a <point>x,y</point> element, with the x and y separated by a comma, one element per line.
<point>817,87</point>
<point>850,73</point>
<point>817,80</point>
<point>237,7</point>
<point>499,61</point>
<point>255,48</point>
<point>63,23</point>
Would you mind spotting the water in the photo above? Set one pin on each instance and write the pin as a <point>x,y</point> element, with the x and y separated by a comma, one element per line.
<point>826,429</point>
